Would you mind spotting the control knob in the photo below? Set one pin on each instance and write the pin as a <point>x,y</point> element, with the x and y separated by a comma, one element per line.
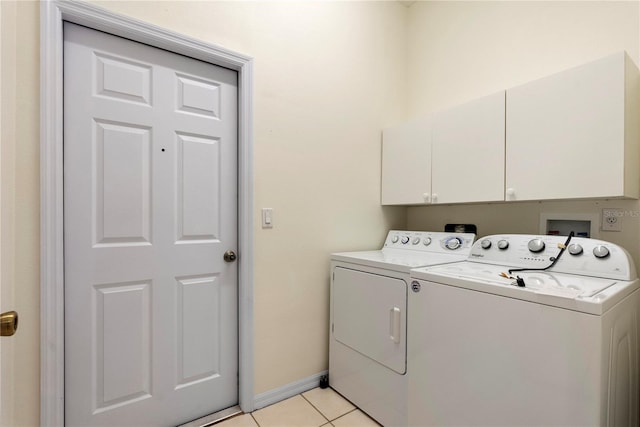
<point>426,241</point>
<point>415,241</point>
<point>405,240</point>
<point>485,243</point>
<point>601,251</point>
<point>536,245</point>
<point>503,244</point>
<point>453,243</point>
<point>395,239</point>
<point>575,249</point>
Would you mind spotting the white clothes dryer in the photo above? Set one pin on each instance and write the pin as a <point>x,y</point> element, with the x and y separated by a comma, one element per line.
<point>368,338</point>
<point>530,330</point>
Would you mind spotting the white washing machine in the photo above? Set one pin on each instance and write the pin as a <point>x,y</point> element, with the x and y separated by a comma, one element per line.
<point>547,346</point>
<point>368,338</point>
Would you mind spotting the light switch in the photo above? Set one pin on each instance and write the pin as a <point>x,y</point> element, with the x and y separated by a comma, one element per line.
<point>267,218</point>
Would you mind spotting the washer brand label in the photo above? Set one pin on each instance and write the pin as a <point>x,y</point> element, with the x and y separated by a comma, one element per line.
<point>415,286</point>
<point>477,255</point>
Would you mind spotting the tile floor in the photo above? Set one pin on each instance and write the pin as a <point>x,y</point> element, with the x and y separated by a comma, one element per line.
<point>314,408</point>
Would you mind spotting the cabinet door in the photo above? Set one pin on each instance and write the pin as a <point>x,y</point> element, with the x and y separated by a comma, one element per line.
<point>566,134</point>
<point>406,163</point>
<point>468,152</point>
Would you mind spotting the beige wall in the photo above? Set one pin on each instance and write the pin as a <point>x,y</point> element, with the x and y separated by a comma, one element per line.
<point>328,77</point>
<point>7,132</point>
<point>19,210</point>
<point>327,80</point>
<point>459,51</point>
<point>463,50</point>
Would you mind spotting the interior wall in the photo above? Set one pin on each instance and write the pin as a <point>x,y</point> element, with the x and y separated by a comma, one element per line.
<point>328,77</point>
<point>19,205</point>
<point>7,134</point>
<point>459,51</point>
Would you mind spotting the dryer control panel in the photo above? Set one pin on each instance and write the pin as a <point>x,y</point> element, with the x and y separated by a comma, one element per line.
<point>429,241</point>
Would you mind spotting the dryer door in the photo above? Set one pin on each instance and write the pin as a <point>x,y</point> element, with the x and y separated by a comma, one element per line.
<point>370,316</point>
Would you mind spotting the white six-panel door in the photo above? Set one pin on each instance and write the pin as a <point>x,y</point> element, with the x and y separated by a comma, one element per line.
<point>150,207</point>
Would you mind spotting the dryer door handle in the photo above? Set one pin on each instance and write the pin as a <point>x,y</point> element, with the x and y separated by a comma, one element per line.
<point>394,325</point>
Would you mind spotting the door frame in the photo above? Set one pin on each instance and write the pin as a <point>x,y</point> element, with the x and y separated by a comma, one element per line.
<point>4,419</point>
<point>53,14</point>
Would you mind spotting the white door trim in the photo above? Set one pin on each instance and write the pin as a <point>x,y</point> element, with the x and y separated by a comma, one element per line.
<point>53,14</point>
<point>3,419</point>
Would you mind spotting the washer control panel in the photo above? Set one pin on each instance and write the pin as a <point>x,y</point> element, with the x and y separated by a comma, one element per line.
<point>581,255</point>
<point>429,241</point>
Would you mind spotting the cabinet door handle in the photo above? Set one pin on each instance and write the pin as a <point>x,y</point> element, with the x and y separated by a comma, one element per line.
<point>394,325</point>
<point>426,197</point>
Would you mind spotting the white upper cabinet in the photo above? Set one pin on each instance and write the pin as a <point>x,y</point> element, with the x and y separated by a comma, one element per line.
<point>468,152</point>
<point>453,156</point>
<point>572,135</point>
<point>575,134</point>
<point>406,163</point>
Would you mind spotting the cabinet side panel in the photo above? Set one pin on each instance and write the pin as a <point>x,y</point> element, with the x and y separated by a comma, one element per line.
<point>632,130</point>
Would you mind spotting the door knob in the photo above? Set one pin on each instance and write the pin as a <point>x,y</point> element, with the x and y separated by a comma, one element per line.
<point>8,323</point>
<point>230,256</point>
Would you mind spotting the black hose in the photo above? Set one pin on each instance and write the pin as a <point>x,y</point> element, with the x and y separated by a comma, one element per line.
<point>553,260</point>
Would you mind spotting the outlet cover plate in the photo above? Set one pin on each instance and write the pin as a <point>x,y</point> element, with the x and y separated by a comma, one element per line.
<point>611,219</point>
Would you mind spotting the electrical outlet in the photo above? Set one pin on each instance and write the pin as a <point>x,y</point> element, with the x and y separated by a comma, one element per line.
<point>611,219</point>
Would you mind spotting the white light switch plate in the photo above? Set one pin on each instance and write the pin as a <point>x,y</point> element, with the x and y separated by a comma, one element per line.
<point>267,218</point>
<point>611,219</point>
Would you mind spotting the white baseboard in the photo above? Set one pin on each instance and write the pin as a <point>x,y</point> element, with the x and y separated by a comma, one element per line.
<point>286,391</point>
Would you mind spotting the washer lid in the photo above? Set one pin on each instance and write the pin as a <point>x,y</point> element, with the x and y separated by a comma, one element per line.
<point>581,293</point>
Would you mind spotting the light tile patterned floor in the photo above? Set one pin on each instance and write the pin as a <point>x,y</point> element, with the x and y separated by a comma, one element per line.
<point>314,408</point>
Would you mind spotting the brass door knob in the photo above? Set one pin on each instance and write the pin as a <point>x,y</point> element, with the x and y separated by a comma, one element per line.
<point>230,256</point>
<point>8,323</point>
